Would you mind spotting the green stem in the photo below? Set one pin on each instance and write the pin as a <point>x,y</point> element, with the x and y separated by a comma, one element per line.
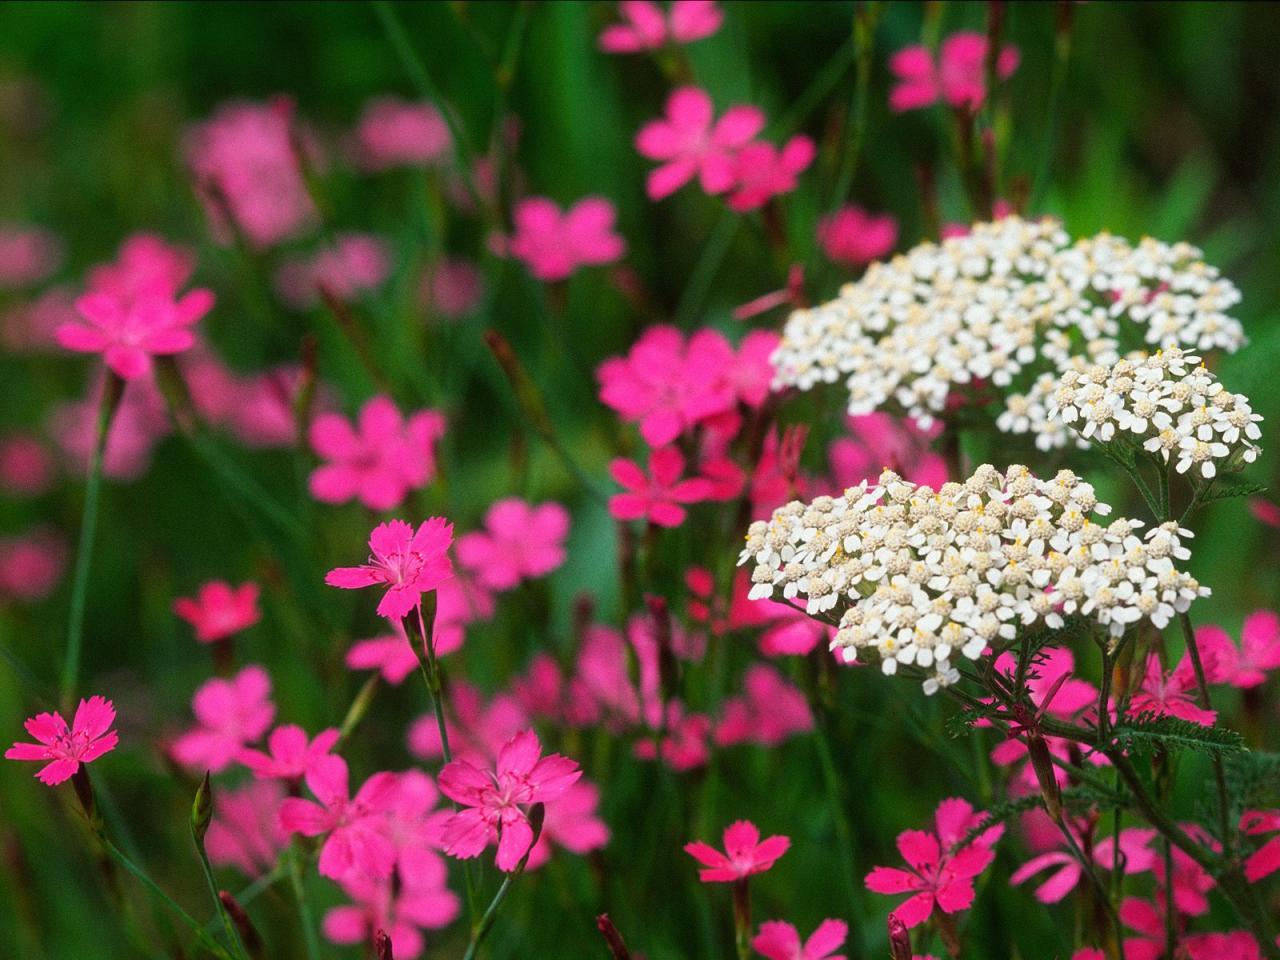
<point>228,928</point>
<point>835,800</point>
<point>1219,771</point>
<point>481,930</point>
<point>112,391</point>
<point>865,17</point>
<point>304,905</point>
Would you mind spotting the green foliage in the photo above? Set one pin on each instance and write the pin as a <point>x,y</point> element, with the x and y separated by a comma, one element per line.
<point>1145,735</point>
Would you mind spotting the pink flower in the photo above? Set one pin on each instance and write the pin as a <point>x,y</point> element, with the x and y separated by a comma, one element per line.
<point>771,710</point>
<point>571,822</point>
<point>31,565</point>
<point>959,77</point>
<point>786,630</point>
<point>290,755</point>
<point>690,142</point>
<point>245,166</point>
<point>1265,510</point>
<point>1136,855</point>
<point>495,802</point>
<point>745,853</point>
<point>520,542</point>
<point>553,244</point>
<point>379,459</point>
<point>667,386</point>
<point>88,738</point>
<point>229,714</point>
<point>781,941</point>
<point>129,334</point>
<point>1235,945</point>
<point>460,601</point>
<point>393,657</point>
<point>28,255</point>
<point>452,288</point>
<point>683,744</point>
<point>26,469</point>
<point>395,133</point>
<point>246,832</point>
<point>264,412</point>
<point>480,731</point>
<point>140,421</point>
<point>877,441</point>
<point>1173,694</point>
<point>409,563</point>
<point>219,610</point>
<point>645,27</point>
<point>851,236</point>
<point>402,910</point>
<point>355,828</point>
<point>146,266</point>
<point>355,264</point>
<point>1259,649</point>
<point>1147,919</point>
<point>657,497</point>
<point>1266,859</point>
<point>762,171</point>
<point>940,870</point>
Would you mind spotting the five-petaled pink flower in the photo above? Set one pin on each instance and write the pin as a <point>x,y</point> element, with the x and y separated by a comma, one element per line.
<point>689,141</point>
<point>958,77</point>
<point>1174,693</point>
<point>395,133</point>
<point>744,853</point>
<point>1266,859</point>
<point>778,940</point>
<point>520,541</point>
<point>657,497</point>
<point>129,333</point>
<point>1259,649</point>
<point>219,610</point>
<point>496,801</point>
<point>941,869</point>
<point>358,838</point>
<point>290,754</point>
<point>763,171</point>
<point>392,656</point>
<point>379,458</point>
<point>409,563</point>
<point>230,714</point>
<point>851,236</point>
<point>646,27</point>
<point>65,748</point>
<point>553,244</point>
<point>769,711</point>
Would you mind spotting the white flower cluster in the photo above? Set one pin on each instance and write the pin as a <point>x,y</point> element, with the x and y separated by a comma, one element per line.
<point>1169,403</point>
<point>920,577</point>
<point>1010,296</point>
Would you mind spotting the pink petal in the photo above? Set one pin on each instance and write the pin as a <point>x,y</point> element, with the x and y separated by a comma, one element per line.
<point>513,843</point>
<point>777,941</point>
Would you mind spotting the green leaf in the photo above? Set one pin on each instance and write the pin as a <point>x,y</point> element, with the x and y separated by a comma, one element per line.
<point>1228,488</point>
<point>1145,734</point>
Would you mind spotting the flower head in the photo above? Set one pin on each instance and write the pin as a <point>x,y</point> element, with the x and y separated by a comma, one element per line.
<point>645,27</point>
<point>778,940</point>
<point>497,801</point>
<point>851,236</point>
<point>290,753</point>
<point>554,244</point>
<point>355,264</point>
<point>690,142</point>
<point>65,748</point>
<point>520,541</point>
<point>145,266</point>
<point>396,133</point>
<point>229,715</point>
<point>409,563</point>
<point>129,333</point>
<point>958,76</point>
<point>1259,649</point>
<point>219,610</point>
<point>571,822</point>
<point>246,832</point>
<point>377,459</point>
<point>744,853</point>
<point>392,656</point>
<point>659,496</point>
<point>762,171</point>
<point>769,711</point>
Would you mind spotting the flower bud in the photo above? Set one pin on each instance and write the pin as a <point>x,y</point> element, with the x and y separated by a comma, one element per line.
<point>612,938</point>
<point>1042,763</point>
<point>202,810</point>
<point>899,939</point>
<point>382,946</point>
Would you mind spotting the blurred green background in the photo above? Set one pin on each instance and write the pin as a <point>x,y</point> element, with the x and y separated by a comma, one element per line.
<point>1166,126</point>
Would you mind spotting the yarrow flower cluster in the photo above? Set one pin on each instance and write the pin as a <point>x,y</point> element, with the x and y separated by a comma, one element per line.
<point>1012,305</point>
<point>915,576</point>
<point>1166,403</point>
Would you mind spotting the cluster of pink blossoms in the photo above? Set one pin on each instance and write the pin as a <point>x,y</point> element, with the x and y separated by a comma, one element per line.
<point>354,264</point>
<point>645,26</point>
<point>956,75</point>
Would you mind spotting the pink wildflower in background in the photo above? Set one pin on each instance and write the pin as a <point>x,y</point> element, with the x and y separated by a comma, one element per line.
<point>452,288</point>
<point>763,171</point>
<point>646,27</point>
<point>520,541</point>
<point>229,715</point>
<point>409,563</point>
<point>140,421</point>
<point>353,265</point>
<point>958,76</point>
<point>31,327</point>
<point>784,629</point>
<point>659,496</point>
<point>31,565</point>
<point>145,266</point>
<point>290,753</point>
<point>379,458</point>
<point>770,711</point>
<point>401,910</point>
<point>354,827</point>
<point>65,748</point>
<point>392,657</point>
<point>781,941</point>
<point>460,601</point>
<point>264,412</point>
<point>1136,856</point>
<point>26,468</point>
<point>28,255</point>
<point>245,832</point>
<point>1174,693</point>
<point>553,245</point>
<point>683,742</point>
<point>1266,859</point>
<point>877,441</point>
<point>495,801</point>
<point>744,853</point>
<point>852,237</point>
<point>690,142</point>
<point>1265,511</point>
<point>128,333</point>
<point>245,166</point>
<point>1259,649</point>
<point>478,731</point>
<point>219,610</point>
<point>1234,945</point>
<point>571,822</point>
<point>397,133</point>
<point>940,871</point>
